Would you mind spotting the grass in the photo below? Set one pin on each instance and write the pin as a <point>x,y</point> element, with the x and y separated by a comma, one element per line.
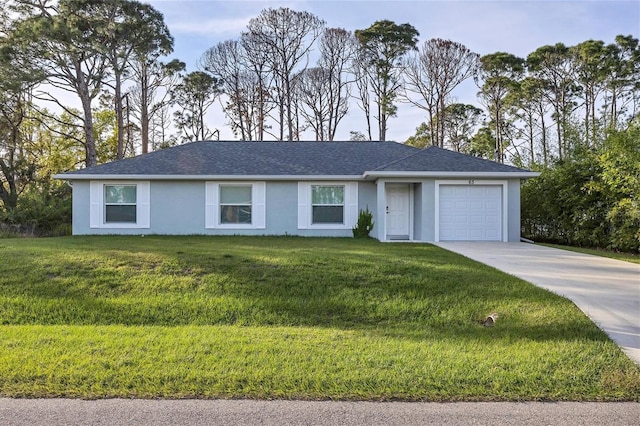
<point>627,257</point>
<point>291,318</point>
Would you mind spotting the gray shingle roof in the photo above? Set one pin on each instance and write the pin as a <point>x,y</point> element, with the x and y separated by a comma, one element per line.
<point>258,158</point>
<point>434,159</point>
<point>208,158</point>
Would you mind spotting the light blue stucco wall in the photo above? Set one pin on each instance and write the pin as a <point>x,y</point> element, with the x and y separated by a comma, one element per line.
<point>513,210</point>
<point>428,220</point>
<point>424,207</point>
<point>178,208</point>
<point>80,208</point>
<point>417,211</point>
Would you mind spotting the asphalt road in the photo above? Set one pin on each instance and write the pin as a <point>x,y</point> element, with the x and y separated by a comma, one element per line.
<point>116,412</point>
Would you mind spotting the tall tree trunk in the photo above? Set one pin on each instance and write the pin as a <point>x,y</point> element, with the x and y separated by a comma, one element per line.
<point>290,124</point>
<point>440,120</point>
<point>91,158</point>
<point>545,149</point>
<point>119,113</point>
<point>8,196</point>
<point>559,134</point>
<point>587,97</point>
<point>382,123</point>
<point>144,108</point>
<point>531,144</point>
<point>498,153</point>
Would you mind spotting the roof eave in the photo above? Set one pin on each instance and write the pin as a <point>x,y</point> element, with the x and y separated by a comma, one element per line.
<point>87,176</point>
<point>434,174</point>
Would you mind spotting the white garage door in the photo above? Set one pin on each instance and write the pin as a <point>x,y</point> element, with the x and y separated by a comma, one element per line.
<point>470,212</point>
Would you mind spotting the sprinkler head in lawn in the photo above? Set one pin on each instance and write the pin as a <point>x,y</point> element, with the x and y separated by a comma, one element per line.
<point>490,320</point>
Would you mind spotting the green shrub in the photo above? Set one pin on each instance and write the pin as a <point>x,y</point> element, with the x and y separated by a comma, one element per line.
<point>590,199</point>
<point>364,225</point>
<point>41,211</point>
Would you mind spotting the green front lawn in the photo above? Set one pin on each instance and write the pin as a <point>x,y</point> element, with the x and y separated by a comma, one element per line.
<point>305,318</point>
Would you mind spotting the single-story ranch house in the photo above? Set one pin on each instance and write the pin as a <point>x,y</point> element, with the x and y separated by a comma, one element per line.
<point>300,188</point>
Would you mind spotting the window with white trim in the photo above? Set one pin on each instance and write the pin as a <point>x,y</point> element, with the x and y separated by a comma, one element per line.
<point>235,205</point>
<point>327,204</point>
<point>120,203</point>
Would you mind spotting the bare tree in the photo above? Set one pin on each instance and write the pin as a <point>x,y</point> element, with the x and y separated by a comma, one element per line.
<point>257,82</point>
<point>337,49</point>
<point>159,126</point>
<point>242,84</point>
<point>286,36</point>
<point>434,72</point>
<point>313,91</point>
<point>150,96</point>
<point>225,61</point>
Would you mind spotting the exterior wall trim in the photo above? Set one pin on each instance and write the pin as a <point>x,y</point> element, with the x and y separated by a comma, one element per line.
<point>441,174</point>
<point>72,177</point>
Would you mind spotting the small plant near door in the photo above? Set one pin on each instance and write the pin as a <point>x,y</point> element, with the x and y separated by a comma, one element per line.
<point>364,225</point>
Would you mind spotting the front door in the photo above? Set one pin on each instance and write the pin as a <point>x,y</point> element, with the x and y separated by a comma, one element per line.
<point>398,211</point>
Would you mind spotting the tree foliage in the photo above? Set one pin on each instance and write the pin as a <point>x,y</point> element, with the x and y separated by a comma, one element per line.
<point>194,95</point>
<point>382,47</point>
<point>570,111</point>
<point>590,198</point>
<point>499,74</point>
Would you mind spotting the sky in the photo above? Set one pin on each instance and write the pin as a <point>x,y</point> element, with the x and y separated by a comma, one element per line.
<point>514,26</point>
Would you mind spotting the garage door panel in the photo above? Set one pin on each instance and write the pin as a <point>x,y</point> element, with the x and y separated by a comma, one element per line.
<point>476,220</point>
<point>476,234</point>
<point>470,212</point>
<point>492,220</point>
<point>459,220</point>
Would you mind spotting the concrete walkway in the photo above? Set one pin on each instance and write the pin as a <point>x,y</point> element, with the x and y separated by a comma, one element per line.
<point>607,290</point>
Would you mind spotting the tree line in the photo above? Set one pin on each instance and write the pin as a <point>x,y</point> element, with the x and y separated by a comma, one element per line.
<point>287,77</point>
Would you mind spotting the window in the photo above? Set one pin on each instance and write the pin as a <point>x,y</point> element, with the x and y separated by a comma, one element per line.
<point>327,204</point>
<point>235,204</point>
<point>120,204</point>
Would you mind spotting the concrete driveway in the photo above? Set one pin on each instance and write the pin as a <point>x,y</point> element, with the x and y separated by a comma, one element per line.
<point>607,290</point>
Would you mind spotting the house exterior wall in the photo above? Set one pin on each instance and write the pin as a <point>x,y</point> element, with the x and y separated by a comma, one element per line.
<point>417,211</point>
<point>178,208</point>
<point>80,208</point>
<point>513,210</point>
<point>425,208</point>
